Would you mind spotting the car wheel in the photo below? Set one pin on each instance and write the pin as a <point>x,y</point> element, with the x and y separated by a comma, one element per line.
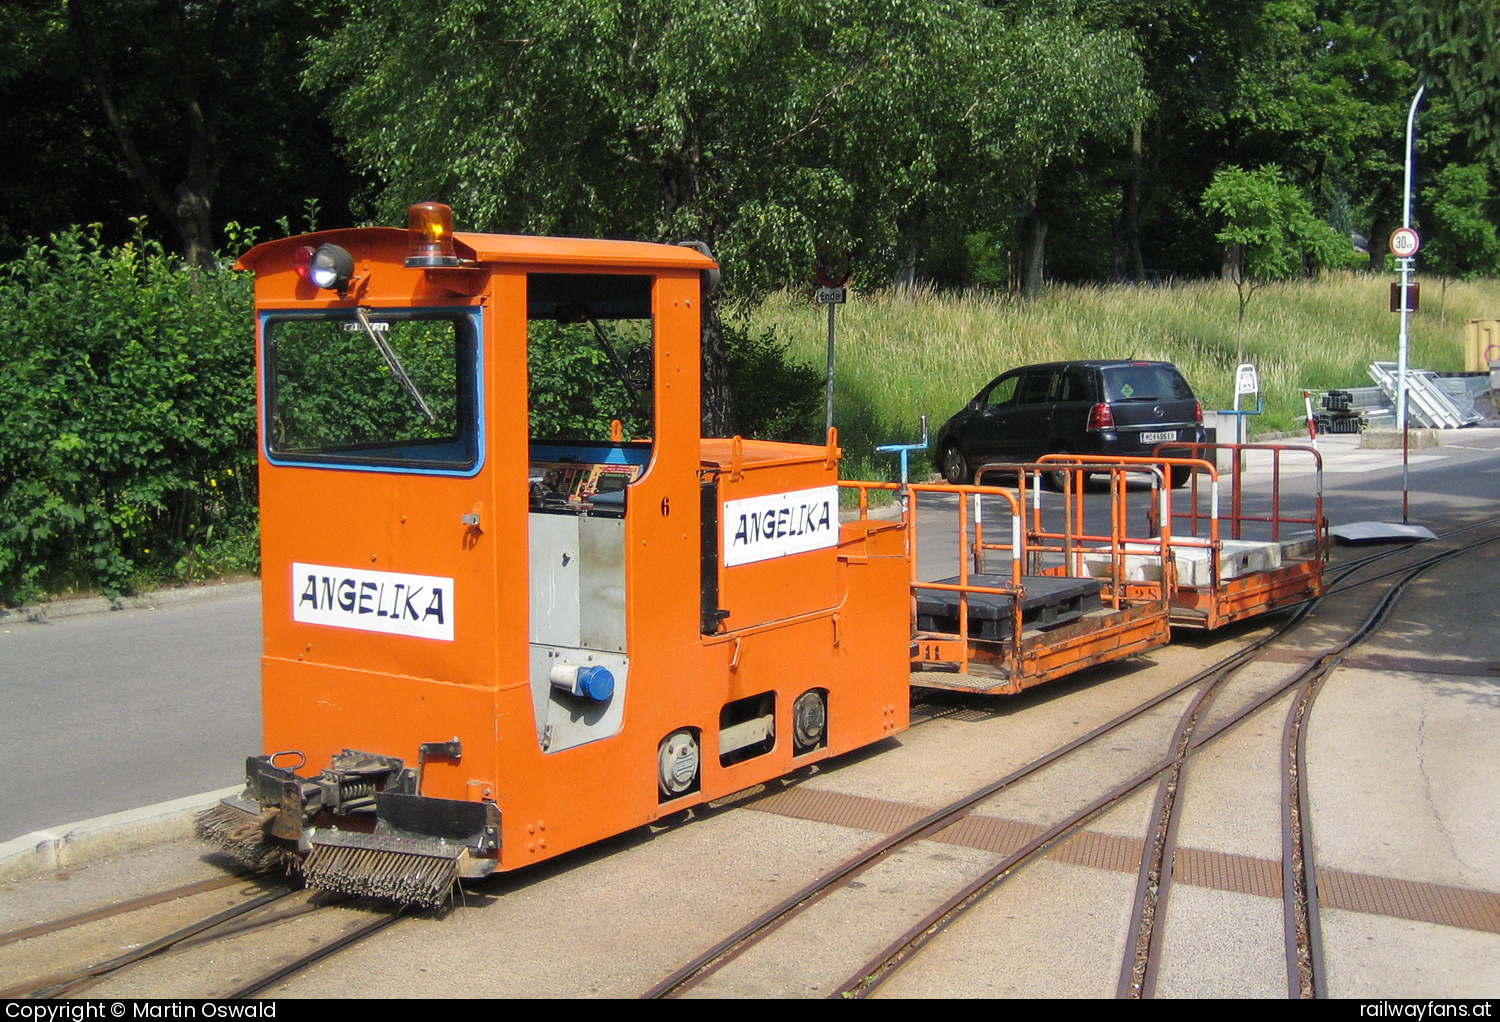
<point>955,465</point>
<point>1180,475</point>
<point>1057,479</point>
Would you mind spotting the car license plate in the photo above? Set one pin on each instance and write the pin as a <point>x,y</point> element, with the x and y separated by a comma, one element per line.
<point>1158,438</point>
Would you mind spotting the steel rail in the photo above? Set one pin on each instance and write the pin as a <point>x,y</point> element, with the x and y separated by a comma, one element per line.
<point>80,979</point>
<point>722,953</point>
<point>315,956</point>
<point>882,966</point>
<point>1138,972</point>
<point>1304,953</point>
<point>1141,965</point>
<point>122,907</point>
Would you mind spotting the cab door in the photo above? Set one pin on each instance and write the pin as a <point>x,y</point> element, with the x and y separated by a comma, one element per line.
<point>378,529</point>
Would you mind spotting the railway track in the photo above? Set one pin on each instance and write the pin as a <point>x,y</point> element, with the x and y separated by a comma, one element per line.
<point>1195,730</point>
<point>263,907</point>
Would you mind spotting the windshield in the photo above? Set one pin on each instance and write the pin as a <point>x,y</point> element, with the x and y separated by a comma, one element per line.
<point>373,386</point>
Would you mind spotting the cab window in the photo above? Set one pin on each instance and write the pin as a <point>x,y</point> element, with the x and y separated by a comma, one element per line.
<point>591,389</point>
<point>376,387</point>
<point>589,356</point>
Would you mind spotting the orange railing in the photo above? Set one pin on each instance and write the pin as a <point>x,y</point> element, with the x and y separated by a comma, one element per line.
<point>1277,518</point>
<point>1073,546</point>
<point>964,587</point>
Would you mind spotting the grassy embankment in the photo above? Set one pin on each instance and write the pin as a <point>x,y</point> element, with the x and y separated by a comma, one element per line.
<point>900,358</point>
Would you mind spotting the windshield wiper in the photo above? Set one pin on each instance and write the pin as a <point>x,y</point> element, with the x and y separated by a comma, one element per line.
<point>609,349</point>
<point>391,360</point>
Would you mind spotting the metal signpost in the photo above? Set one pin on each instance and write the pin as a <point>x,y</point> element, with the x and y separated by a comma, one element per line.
<point>1404,245</point>
<point>1246,381</point>
<point>831,277</point>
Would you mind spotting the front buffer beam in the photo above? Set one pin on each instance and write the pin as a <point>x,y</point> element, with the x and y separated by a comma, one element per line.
<point>359,828</point>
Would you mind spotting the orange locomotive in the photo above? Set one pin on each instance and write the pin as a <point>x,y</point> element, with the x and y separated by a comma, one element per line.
<point>493,636</point>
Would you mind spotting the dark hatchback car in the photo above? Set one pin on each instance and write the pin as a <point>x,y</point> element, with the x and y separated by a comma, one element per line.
<point>1071,408</point>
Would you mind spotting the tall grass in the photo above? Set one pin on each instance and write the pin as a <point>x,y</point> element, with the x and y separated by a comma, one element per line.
<point>901,357</point>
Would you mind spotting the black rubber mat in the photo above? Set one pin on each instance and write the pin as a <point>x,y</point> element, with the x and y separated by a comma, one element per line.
<point>1049,601</point>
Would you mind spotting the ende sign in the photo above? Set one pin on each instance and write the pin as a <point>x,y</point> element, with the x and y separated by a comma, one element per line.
<point>780,524</point>
<point>373,601</point>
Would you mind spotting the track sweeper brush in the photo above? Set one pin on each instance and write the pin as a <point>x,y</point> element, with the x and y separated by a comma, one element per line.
<point>358,828</point>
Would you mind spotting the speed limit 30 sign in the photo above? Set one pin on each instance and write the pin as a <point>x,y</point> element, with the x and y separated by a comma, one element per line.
<point>1405,242</point>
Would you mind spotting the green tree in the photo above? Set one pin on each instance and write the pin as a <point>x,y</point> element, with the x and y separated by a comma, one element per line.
<point>191,112</point>
<point>1205,63</point>
<point>1075,85</point>
<point>1459,239</point>
<point>1270,232</point>
<point>766,129</point>
<point>1452,43</point>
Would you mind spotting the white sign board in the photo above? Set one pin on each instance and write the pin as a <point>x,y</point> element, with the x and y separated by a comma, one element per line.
<point>832,295</point>
<point>1405,242</point>
<point>780,524</point>
<point>373,601</point>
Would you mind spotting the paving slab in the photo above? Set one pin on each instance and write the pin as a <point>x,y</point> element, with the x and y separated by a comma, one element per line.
<point>1368,956</point>
<point>1220,944</point>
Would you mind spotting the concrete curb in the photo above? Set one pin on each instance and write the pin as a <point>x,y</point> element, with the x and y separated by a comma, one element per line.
<point>145,601</point>
<point>42,851</point>
<point>889,513</point>
<point>1391,439</point>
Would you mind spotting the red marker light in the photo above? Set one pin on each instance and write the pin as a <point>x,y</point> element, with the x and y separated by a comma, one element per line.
<point>1101,416</point>
<point>302,261</point>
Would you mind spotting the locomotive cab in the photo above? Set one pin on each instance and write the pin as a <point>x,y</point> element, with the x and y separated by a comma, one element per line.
<point>514,603</point>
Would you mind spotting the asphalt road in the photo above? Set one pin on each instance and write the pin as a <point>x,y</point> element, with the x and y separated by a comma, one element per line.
<point>106,712</point>
<point>112,711</point>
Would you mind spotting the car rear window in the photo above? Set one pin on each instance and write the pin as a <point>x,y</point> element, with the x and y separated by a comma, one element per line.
<point>1145,383</point>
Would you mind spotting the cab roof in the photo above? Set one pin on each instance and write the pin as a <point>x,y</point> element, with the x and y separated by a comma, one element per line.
<point>501,248</point>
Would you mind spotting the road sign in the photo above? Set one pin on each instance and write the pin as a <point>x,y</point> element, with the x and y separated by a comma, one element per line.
<point>1405,242</point>
<point>833,269</point>
<point>1413,297</point>
<point>832,295</point>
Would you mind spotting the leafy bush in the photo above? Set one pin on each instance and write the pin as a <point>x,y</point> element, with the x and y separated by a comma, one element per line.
<point>127,416</point>
<point>776,397</point>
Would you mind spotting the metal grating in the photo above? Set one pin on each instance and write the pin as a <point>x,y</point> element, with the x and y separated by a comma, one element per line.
<point>1196,867</point>
<point>1222,871</point>
<point>1102,851</point>
<point>1409,899</point>
<point>841,810</point>
<point>965,712</point>
<point>977,680</point>
<point>989,833</point>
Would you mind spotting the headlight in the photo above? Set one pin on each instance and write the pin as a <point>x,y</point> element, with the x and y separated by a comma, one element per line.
<point>330,268</point>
